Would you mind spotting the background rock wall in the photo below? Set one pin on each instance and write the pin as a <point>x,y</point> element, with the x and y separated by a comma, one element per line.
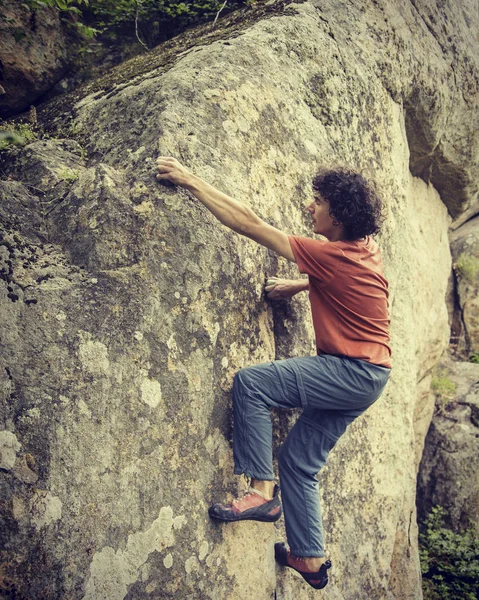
<point>448,474</point>
<point>33,54</point>
<point>127,308</point>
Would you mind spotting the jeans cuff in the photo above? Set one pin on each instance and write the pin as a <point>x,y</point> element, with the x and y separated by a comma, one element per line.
<point>307,553</point>
<point>261,476</point>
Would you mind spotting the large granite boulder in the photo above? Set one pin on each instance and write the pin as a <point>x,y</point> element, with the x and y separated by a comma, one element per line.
<point>33,54</point>
<point>465,302</point>
<point>448,474</point>
<point>127,308</point>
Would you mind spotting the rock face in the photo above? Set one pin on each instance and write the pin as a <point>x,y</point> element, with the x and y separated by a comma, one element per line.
<point>127,309</point>
<point>33,54</point>
<point>448,474</point>
<point>465,318</point>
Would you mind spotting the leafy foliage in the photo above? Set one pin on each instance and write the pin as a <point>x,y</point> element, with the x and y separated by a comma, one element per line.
<point>16,134</point>
<point>474,358</point>
<point>72,12</point>
<point>154,21</point>
<point>150,21</point>
<point>66,5</point>
<point>449,561</point>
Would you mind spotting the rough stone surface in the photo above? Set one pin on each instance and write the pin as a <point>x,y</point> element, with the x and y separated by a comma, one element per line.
<point>33,54</point>
<point>465,316</point>
<point>448,473</point>
<point>9,446</point>
<point>127,309</point>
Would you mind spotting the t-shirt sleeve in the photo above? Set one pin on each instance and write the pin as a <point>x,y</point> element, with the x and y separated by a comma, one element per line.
<point>316,258</point>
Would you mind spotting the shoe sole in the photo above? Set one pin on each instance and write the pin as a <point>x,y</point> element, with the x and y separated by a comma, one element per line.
<point>263,519</point>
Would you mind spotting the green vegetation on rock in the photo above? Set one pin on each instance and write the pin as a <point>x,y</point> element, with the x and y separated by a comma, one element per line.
<point>467,266</point>
<point>71,11</point>
<point>149,21</point>
<point>449,560</point>
<point>444,389</point>
<point>16,133</point>
<point>68,175</point>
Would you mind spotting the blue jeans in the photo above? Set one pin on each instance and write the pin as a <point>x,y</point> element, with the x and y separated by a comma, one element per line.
<point>332,391</point>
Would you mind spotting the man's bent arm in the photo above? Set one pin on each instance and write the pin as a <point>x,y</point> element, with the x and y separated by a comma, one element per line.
<point>227,210</point>
<point>277,288</point>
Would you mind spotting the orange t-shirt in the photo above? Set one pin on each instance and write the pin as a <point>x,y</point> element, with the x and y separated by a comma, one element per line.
<point>349,297</point>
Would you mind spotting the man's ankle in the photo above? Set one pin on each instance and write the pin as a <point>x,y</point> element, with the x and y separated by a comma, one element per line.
<point>313,562</point>
<point>263,487</point>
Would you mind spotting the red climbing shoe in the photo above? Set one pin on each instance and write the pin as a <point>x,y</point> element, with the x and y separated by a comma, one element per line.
<point>316,579</point>
<point>250,507</point>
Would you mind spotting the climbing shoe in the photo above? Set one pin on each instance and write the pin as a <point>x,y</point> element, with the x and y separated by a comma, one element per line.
<point>251,506</point>
<point>316,579</point>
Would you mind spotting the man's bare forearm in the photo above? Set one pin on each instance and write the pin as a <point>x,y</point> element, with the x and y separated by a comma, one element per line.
<point>278,289</point>
<point>302,284</point>
<point>227,210</point>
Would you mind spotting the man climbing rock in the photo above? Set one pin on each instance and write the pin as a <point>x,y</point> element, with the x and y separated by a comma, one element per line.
<point>349,302</point>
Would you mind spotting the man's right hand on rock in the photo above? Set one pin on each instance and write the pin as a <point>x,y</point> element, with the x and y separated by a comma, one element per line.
<point>278,289</point>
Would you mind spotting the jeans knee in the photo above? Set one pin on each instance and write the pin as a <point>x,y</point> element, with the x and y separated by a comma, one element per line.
<point>285,459</point>
<point>240,386</point>
<point>241,379</point>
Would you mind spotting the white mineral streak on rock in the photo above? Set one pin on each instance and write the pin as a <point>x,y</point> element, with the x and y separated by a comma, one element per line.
<point>112,572</point>
<point>210,559</point>
<point>151,392</point>
<point>83,408</point>
<point>145,572</point>
<point>179,521</point>
<point>311,147</point>
<point>9,446</point>
<point>204,549</point>
<point>168,561</point>
<point>45,509</point>
<point>93,355</point>
<point>230,127</point>
<point>213,331</point>
<point>191,564</point>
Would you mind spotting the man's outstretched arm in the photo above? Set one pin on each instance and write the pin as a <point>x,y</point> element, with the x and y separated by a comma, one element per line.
<point>227,210</point>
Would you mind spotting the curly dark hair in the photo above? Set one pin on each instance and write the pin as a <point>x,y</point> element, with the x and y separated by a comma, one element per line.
<point>353,201</point>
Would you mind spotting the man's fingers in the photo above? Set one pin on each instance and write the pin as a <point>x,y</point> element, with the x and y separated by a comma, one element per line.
<point>166,161</point>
